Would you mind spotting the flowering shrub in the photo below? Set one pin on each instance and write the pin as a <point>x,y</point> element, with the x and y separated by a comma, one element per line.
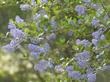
<point>63,37</point>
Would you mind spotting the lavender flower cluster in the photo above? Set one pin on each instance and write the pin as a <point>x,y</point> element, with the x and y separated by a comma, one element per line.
<point>97,36</point>
<point>17,36</point>
<point>36,50</point>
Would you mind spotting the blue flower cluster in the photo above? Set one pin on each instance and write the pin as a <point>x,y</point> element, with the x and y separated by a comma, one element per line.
<point>97,36</point>
<point>90,76</point>
<point>41,66</point>
<point>84,42</point>
<point>17,35</point>
<point>37,50</point>
<point>82,59</point>
<point>80,9</point>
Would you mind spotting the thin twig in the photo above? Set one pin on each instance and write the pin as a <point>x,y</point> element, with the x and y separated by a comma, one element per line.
<point>102,3</point>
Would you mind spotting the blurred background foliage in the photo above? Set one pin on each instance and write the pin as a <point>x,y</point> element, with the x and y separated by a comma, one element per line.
<point>12,67</point>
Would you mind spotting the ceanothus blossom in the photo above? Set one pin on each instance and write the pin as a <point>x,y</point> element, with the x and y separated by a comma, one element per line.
<point>78,41</point>
<point>59,68</point>
<point>32,47</point>
<point>71,22</point>
<point>80,9</point>
<point>36,16</point>
<point>95,6</point>
<point>70,33</point>
<point>84,55</point>
<point>36,50</point>
<point>25,7</point>
<point>40,50</point>
<point>74,74</point>
<point>83,64</point>
<point>82,59</point>
<point>11,25</point>
<point>53,23</point>
<point>44,1</point>
<point>84,42</point>
<point>102,37</point>
<point>91,77</point>
<point>8,48</point>
<point>46,16</point>
<point>46,47</point>
<point>95,42</point>
<point>41,66</point>
<point>69,68</point>
<point>18,19</point>
<point>95,22</point>
<point>96,35</point>
<point>14,43</point>
<point>51,37</point>
<point>17,33</point>
<point>79,21</point>
<point>11,47</point>
<point>18,36</point>
<point>35,54</point>
<point>40,14</point>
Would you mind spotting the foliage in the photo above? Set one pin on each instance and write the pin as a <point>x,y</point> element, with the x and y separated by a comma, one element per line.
<point>64,40</point>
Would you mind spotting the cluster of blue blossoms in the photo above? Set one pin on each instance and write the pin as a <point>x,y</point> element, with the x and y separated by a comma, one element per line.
<point>17,36</point>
